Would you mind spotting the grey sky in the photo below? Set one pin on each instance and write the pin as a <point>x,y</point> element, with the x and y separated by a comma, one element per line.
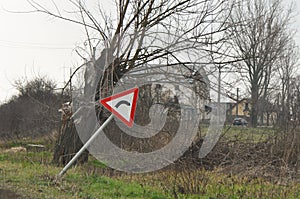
<point>36,44</point>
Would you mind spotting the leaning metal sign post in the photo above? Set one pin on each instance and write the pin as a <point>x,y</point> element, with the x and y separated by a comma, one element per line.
<point>121,105</point>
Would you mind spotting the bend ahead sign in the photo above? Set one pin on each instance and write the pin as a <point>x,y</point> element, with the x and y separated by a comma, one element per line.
<point>122,105</point>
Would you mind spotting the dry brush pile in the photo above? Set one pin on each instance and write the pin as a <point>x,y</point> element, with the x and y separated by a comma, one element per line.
<point>274,158</point>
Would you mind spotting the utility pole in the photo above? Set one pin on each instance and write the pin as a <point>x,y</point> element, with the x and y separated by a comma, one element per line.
<point>237,102</point>
<point>219,86</point>
<point>70,84</point>
<point>219,93</point>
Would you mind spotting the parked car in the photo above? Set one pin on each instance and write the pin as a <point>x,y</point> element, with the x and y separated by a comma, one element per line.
<point>240,122</point>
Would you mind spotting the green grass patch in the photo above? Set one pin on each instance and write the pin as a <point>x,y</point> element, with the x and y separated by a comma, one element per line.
<point>243,133</point>
<point>214,184</point>
<point>96,163</point>
<point>26,174</point>
<point>248,134</point>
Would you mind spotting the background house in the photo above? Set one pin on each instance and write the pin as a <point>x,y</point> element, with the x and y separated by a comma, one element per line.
<point>267,116</point>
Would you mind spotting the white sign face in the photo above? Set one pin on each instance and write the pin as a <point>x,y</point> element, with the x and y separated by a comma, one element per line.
<point>122,105</point>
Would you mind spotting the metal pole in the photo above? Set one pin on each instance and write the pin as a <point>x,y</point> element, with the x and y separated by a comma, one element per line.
<point>84,147</point>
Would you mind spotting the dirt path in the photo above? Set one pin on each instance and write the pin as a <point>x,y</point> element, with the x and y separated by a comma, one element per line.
<point>7,194</point>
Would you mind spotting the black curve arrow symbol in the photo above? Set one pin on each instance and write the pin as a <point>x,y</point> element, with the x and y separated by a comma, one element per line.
<point>122,102</point>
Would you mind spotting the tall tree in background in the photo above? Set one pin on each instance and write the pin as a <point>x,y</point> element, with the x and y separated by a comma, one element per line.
<point>260,33</point>
<point>295,99</point>
<point>137,32</point>
<point>286,73</point>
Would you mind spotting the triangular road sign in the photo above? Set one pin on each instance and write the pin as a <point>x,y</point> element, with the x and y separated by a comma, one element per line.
<point>122,105</point>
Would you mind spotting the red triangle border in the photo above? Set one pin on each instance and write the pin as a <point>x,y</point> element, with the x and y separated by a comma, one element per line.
<point>135,92</point>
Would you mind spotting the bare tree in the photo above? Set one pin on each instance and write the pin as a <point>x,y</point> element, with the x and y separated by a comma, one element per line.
<point>295,99</point>
<point>141,32</point>
<point>259,36</point>
<point>286,72</point>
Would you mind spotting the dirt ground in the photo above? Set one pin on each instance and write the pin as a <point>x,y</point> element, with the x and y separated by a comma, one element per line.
<point>7,194</point>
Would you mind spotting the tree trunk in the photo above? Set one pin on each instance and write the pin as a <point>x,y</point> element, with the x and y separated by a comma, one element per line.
<point>261,118</point>
<point>254,105</point>
<point>69,142</point>
<point>67,145</point>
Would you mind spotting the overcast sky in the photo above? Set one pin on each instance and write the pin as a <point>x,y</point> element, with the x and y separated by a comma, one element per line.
<point>36,44</point>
